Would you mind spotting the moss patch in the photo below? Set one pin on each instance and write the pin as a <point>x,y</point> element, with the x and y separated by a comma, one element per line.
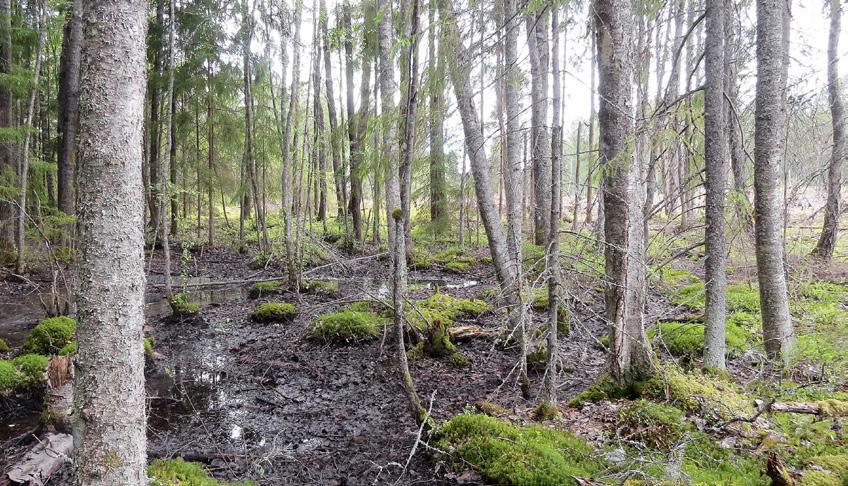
<point>695,392</point>
<point>420,259</point>
<point>459,360</point>
<point>687,339</point>
<point>181,306</point>
<point>32,367</point>
<point>69,349</point>
<point>546,411</point>
<point>176,472</point>
<point>10,377</point>
<point>348,326</point>
<point>4,348</point>
<point>507,454</point>
<point>827,470</point>
<point>444,309</point>
<point>274,312</point>
<point>656,425</point>
<point>322,286</point>
<point>50,335</point>
<point>148,347</point>
<point>268,287</point>
<point>605,388</point>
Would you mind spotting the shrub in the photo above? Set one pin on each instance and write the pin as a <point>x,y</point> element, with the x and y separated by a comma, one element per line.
<point>510,455</point>
<point>260,289</point>
<point>50,335</point>
<point>656,425</point>
<point>32,367</point>
<point>275,312</point>
<point>347,326</point>
<point>176,472</point>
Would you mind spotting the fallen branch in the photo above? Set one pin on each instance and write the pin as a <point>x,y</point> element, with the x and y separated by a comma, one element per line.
<point>43,460</point>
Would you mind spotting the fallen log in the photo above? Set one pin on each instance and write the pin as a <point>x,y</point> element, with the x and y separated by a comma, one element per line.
<point>826,408</point>
<point>470,331</point>
<point>43,460</point>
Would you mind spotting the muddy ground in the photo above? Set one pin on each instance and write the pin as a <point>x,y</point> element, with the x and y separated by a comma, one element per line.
<point>268,403</point>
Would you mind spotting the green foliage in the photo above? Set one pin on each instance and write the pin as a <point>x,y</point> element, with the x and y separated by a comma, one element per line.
<point>825,292</point>
<point>348,326</point>
<point>10,377</point>
<point>438,343</point>
<point>459,360</point>
<point>546,411</point>
<point>458,267</point>
<point>275,312</point>
<point>676,277</point>
<point>687,339</point>
<point>260,289</point>
<point>32,367</point>
<point>420,259</point>
<point>740,297</point>
<point>50,335</point>
<point>453,307</point>
<point>507,454</point>
<point>176,472</point>
<point>656,425</point>
<point>538,359</point>
<point>826,470</point>
<point>181,306</point>
<point>604,388</point>
<point>4,348</point>
<point>706,463</point>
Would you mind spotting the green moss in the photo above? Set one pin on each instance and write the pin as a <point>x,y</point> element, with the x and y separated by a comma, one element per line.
<point>10,377</point>
<point>691,295</point>
<point>438,343</point>
<point>322,286</point>
<point>69,349</point>
<point>706,463</point>
<point>833,407</point>
<point>546,411</point>
<point>32,367</point>
<point>676,277</point>
<point>656,425</point>
<point>181,306</point>
<point>540,301</point>
<point>458,267</point>
<point>605,388</point>
<point>348,326</point>
<point>510,455</point>
<point>826,470</point>
<point>743,298</point>
<point>4,348</point>
<point>825,292</point>
<point>696,392</point>
<point>453,307</point>
<point>490,409</point>
<point>420,259</point>
<point>274,312</point>
<point>416,352</point>
<point>687,339</point>
<point>50,335</point>
<point>459,360</point>
<point>268,287</point>
<point>176,472</point>
<point>148,347</point>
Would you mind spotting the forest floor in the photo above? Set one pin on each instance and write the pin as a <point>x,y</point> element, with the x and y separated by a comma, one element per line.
<point>272,404</point>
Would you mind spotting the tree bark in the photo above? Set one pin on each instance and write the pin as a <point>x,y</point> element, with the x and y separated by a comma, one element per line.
<point>68,105</point>
<point>155,124</point>
<point>537,43</point>
<point>624,252</point>
<point>110,422</point>
<point>388,88</point>
<point>770,128</point>
<point>335,136</point>
<point>355,202</point>
<point>165,162</point>
<point>438,201</point>
<point>827,240</point>
<point>318,114</point>
<point>716,187</point>
<point>287,188</point>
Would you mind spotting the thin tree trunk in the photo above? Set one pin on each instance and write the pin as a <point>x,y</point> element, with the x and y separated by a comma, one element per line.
<point>591,168</point>
<point>155,124</point>
<point>336,148</point>
<point>210,147</point>
<point>716,187</point>
<point>770,128</point>
<point>109,399</point>
<point>630,355</point>
<point>23,172</point>
<point>388,88</point>
<point>827,241</point>
<point>164,206</point>
<point>438,202</point>
<point>287,189</point>
<point>355,203</point>
<point>68,105</point>
<point>537,43</point>
<point>7,149</point>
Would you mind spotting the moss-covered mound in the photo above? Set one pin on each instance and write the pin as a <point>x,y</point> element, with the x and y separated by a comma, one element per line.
<point>348,326</point>
<point>182,307</point>
<point>827,470</point>
<point>507,454</point>
<point>69,349</point>
<point>22,372</point>
<point>740,297</point>
<point>4,348</point>
<point>687,338</point>
<point>176,472</point>
<point>261,289</point>
<point>455,260</point>
<point>10,377</point>
<point>275,312</point>
<point>322,286</point>
<point>656,425</point>
<point>708,396</point>
<point>540,300</point>
<point>50,335</point>
<point>420,259</point>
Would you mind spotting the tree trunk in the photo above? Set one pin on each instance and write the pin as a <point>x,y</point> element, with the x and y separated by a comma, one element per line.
<point>335,136</point>
<point>172,168</point>
<point>770,128</point>
<point>716,186</point>
<point>438,202</point>
<point>210,147</point>
<point>155,124</point>
<point>110,422</point>
<point>388,88</point>
<point>537,43</point>
<point>624,252</point>
<point>591,168</point>
<point>506,268</point>
<point>165,162</point>
<point>7,149</point>
<point>320,163</point>
<point>827,241</point>
<point>68,105</point>
<point>287,189</point>
<point>355,203</point>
